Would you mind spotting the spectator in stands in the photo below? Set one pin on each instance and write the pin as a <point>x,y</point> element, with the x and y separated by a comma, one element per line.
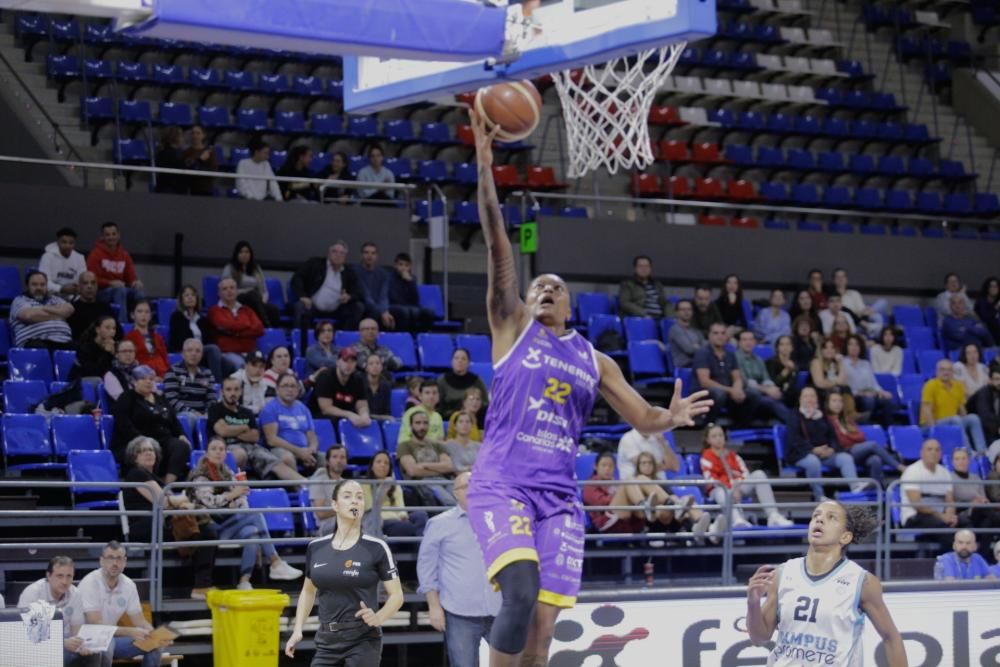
<point>962,563</point>
<point>376,172</point>
<point>843,418</point>
<point>633,443</point>
<point>327,288</point>
<point>199,156</point>
<point>413,384</point>
<point>57,589</point>
<point>959,327</point>
<point>986,404</point>
<point>340,393</point>
<point>297,166</point>
<point>716,370</point>
<point>388,496</point>
<point>987,306</point>
<point>642,295</point>
<point>140,411</point>
<point>827,372</point>
<point>810,441</point>
<point>107,594</point>
<point>116,276</point>
<point>237,327</point>
<point>237,427</point>
<point>994,569</point>
<point>119,378</point>
<point>683,518</point>
<point>612,521</point>
<point>724,467</point>
<point>38,319</point>
<point>453,384</point>
<point>321,495</point>
<point>993,491</point>
<point>150,348</point>
<point>279,362</point>
<point>258,164</point>
<point>321,356</point>
<point>86,307</point>
<point>472,403</point>
<point>247,526</point>
<point>730,305</point>
<point>62,264</point>
<point>834,309</point>
<point>253,388</point>
<point>171,156</point>
<point>953,286</point>
<point>816,289</point>
<point>96,354</point>
<point>187,322</point>
<point>189,388</point>
<point>870,318</point>
<point>887,356</point>
<point>462,447</point>
<point>868,395</point>
<point>378,390</point>
<point>783,371</point>
<point>970,493</point>
<point>840,333</point>
<point>928,494</point>
<point>684,338</point>
<point>756,379</point>
<point>404,297</point>
<point>337,171</point>
<point>773,322</point>
<point>429,398</point>
<point>423,456</point>
<point>288,425</point>
<point>706,313</point>
<point>804,305</point>
<point>942,401</point>
<point>970,371</point>
<point>251,284</point>
<point>374,282</point>
<point>805,342</point>
<point>460,599</point>
<point>367,345</point>
<point>141,458</point>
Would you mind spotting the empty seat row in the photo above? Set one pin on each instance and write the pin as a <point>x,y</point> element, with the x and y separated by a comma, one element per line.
<point>781,123</point>
<point>861,164</point>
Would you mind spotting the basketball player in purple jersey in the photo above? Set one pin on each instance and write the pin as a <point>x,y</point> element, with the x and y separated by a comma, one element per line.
<point>522,497</point>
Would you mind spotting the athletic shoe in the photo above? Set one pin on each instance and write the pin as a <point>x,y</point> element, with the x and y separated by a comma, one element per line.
<point>778,520</point>
<point>282,571</point>
<point>741,522</point>
<point>699,528</point>
<point>244,586</point>
<point>201,593</point>
<point>657,544</point>
<point>717,528</point>
<point>858,487</point>
<point>647,509</point>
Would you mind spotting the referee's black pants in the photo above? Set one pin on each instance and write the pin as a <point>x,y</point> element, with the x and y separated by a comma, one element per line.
<point>351,647</point>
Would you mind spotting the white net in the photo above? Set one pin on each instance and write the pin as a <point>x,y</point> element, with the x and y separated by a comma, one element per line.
<point>606,109</point>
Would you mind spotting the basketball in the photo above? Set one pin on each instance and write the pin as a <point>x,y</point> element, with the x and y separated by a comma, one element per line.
<point>515,106</point>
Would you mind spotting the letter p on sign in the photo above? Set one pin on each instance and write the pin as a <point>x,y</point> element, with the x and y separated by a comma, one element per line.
<point>529,238</point>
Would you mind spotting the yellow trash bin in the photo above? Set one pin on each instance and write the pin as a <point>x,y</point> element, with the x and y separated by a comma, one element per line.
<point>246,627</point>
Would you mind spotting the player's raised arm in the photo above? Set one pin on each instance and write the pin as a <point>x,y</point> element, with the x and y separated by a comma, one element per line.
<point>505,308</point>
<point>762,619</point>
<point>874,607</point>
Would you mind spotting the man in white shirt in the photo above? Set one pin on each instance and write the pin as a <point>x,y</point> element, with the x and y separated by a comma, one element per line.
<point>62,264</point>
<point>633,443</point>
<point>107,593</point>
<point>254,394</point>
<point>834,307</point>
<point>927,491</point>
<point>257,165</point>
<point>58,590</point>
<point>326,287</point>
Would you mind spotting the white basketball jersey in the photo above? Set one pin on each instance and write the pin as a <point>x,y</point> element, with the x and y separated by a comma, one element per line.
<point>820,621</point>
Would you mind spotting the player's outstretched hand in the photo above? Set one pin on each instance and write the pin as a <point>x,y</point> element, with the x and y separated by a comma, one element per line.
<point>291,644</point>
<point>484,138</point>
<point>368,616</point>
<point>760,582</point>
<point>684,410</point>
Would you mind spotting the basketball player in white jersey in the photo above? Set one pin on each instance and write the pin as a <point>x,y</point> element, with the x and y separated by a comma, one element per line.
<point>818,604</point>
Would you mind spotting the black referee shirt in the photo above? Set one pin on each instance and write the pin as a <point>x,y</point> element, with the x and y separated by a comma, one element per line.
<point>345,578</point>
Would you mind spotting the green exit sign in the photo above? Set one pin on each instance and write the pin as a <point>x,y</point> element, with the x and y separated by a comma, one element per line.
<point>529,238</point>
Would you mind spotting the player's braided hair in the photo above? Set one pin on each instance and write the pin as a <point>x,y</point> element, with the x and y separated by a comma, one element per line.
<point>861,521</point>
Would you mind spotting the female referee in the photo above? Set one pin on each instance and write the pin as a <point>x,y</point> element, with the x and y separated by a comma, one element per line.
<point>344,570</point>
<point>819,603</point>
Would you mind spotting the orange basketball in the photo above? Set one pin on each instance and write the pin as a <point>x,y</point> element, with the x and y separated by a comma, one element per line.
<point>515,106</point>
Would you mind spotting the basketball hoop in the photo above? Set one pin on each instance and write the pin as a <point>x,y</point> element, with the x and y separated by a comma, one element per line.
<point>606,109</point>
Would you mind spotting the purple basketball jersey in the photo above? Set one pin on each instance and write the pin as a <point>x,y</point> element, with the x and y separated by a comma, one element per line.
<point>542,392</point>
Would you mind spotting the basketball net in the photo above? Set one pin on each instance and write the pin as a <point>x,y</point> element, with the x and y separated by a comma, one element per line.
<point>606,109</point>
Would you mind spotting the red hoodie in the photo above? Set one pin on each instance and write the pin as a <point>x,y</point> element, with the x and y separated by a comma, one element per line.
<point>158,360</point>
<point>108,265</point>
<point>235,333</point>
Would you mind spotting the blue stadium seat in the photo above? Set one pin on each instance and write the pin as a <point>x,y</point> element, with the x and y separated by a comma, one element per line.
<point>807,125</point>
<point>920,167</point>
<point>739,154</point>
<point>21,397</point>
<point>432,171</point>
<point>97,70</point>
<point>26,438</point>
<point>308,518</point>
<point>592,303</point>
<point>290,122</point>
<point>648,363</point>
<point>326,124</point>
<point>210,289</point>
<point>390,435</point>
<point>927,361</point>
<point>340,338</point>
<point>30,364</point>
<point>835,127</point>
<point>950,436</point>
<point>797,158</point>
<point>213,117</point>
<point>362,127</point>
<point>97,108</point>
<point>465,173</point>
<point>308,86</point>
<point>432,298</point>
<point>277,522</point>
<point>361,443</point>
<point>891,165</point>
<point>131,151</point>
<point>868,198</point>
<point>167,75</point>
<point>898,200</point>
<point>93,466</point>
<point>861,163</point>
<point>425,210</point>
<point>751,120</point>
<point>599,323</point>
<point>271,339</point>
<point>239,81</point>
<point>779,123</point>
<point>132,72</point>
<point>770,157</point>
<point>326,436</point>
<point>204,78</point>
<point>251,120</point>
<point>273,84</point>
<point>929,202</point>
<point>906,441</point>
<point>573,212</point>
<point>277,159</point>
<point>920,338</point>
<point>61,67</point>
<point>436,350</point>
<point>400,167</point>
<point>956,203</point>
<point>63,361</point>
<point>585,465</point>
<point>175,113</point>
<point>74,432</point>
<point>335,89</point>
<point>773,191</point>
<point>164,309</point>
<point>436,133</point>
<point>830,161</point>
<point>478,345</point>
<point>465,213</point>
<point>805,194</point>
<point>987,204</point>
<point>484,369</point>
<point>397,403</point>
<point>638,329</point>
<point>402,346</point>
<point>399,130</point>
<point>836,196</point>
<point>135,111</point>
